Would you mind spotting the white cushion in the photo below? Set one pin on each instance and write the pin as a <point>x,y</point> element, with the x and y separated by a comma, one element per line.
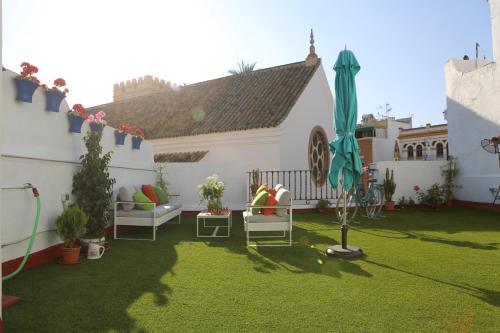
<point>126,193</point>
<point>277,187</point>
<point>283,197</point>
<point>249,218</point>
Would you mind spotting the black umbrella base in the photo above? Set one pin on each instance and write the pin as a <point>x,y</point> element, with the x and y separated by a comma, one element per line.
<point>338,252</point>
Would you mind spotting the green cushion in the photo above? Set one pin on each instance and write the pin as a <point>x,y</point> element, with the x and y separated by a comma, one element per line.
<point>261,188</point>
<point>161,194</point>
<point>141,197</point>
<point>259,200</point>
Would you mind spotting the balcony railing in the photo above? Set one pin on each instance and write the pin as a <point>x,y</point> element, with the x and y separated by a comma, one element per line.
<point>299,182</point>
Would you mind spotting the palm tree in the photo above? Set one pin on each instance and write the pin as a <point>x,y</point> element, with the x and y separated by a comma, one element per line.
<point>243,68</point>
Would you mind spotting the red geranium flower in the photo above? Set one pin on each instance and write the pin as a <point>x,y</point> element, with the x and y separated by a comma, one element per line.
<point>59,82</point>
<point>416,188</point>
<point>66,91</point>
<point>79,110</point>
<point>139,133</point>
<point>125,128</point>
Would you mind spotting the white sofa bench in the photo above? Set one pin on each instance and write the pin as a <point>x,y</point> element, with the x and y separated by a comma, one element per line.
<point>145,218</point>
<point>259,223</point>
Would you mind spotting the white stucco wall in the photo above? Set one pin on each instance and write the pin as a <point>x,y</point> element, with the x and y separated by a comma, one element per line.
<point>495,28</point>
<point>313,108</point>
<point>473,101</point>
<point>1,130</point>
<point>37,148</point>
<point>230,155</point>
<point>407,174</point>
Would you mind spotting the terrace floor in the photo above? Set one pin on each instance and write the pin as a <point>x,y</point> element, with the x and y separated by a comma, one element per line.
<point>423,272</point>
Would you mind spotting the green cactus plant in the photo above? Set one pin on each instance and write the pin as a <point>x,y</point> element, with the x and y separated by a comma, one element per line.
<point>389,185</point>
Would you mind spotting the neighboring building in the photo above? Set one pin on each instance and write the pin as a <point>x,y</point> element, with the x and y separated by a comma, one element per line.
<point>278,118</point>
<point>426,143</point>
<point>473,114</point>
<point>376,138</point>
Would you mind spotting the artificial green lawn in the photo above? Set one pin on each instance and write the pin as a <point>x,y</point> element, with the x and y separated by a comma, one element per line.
<point>423,272</point>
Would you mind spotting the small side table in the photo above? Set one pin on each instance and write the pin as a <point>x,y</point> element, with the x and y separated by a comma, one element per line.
<point>205,215</point>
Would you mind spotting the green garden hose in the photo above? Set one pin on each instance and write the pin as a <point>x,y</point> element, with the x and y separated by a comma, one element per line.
<point>33,235</point>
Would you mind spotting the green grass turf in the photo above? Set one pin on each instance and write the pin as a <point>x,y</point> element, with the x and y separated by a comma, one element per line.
<point>423,272</point>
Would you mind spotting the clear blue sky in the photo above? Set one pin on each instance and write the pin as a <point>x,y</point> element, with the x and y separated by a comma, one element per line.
<point>401,45</point>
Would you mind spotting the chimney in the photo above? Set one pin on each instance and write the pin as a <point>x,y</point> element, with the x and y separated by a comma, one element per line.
<point>138,87</point>
<point>495,28</point>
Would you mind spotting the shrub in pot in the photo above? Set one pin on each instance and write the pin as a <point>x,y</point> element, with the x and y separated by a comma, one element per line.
<point>432,197</point>
<point>211,192</point>
<point>70,225</point>
<point>26,83</point>
<point>322,205</point>
<point>389,189</point>
<point>93,187</point>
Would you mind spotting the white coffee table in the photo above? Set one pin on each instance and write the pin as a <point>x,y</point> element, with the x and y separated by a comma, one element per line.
<point>205,215</point>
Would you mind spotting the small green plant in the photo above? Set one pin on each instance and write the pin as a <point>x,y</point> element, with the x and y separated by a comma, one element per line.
<point>450,173</point>
<point>211,192</point>
<point>71,224</point>
<point>411,203</point>
<point>255,184</point>
<point>402,202</point>
<point>432,197</point>
<point>389,185</point>
<point>93,186</point>
<point>160,177</point>
<point>323,204</point>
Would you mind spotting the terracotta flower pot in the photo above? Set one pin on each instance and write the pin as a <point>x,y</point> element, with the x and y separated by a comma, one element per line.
<point>70,255</point>
<point>389,205</point>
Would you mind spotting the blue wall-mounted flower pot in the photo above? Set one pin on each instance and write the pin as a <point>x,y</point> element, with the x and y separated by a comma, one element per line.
<point>136,142</point>
<point>54,99</point>
<point>95,127</point>
<point>120,138</point>
<point>25,90</point>
<point>75,123</point>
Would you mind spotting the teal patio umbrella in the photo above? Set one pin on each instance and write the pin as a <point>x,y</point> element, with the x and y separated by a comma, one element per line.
<point>346,164</point>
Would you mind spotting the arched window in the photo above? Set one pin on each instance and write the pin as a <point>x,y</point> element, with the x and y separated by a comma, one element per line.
<point>410,153</point>
<point>439,150</point>
<point>319,155</point>
<point>419,152</point>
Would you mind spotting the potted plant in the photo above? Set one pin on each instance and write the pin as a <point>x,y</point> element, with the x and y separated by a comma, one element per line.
<point>93,188</point>
<point>211,192</point>
<point>97,122</point>
<point>26,83</point>
<point>137,138</point>
<point>402,202</point>
<point>389,189</point>
<point>254,186</point>
<point>76,117</point>
<point>121,133</point>
<point>322,205</point>
<point>70,225</point>
<point>450,173</point>
<point>432,197</point>
<point>55,95</point>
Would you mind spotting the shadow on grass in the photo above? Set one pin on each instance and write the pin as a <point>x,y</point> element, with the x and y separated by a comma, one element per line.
<point>306,256</point>
<point>96,295</point>
<point>491,297</point>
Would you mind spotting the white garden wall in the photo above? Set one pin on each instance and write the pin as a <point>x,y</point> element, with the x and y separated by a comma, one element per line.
<point>230,156</point>
<point>37,148</point>
<point>1,129</point>
<point>407,174</point>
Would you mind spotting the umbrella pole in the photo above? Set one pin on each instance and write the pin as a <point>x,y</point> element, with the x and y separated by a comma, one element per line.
<point>344,222</point>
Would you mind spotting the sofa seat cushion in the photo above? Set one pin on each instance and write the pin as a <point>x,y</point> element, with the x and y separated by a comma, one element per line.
<point>159,211</point>
<point>126,193</point>
<point>248,216</point>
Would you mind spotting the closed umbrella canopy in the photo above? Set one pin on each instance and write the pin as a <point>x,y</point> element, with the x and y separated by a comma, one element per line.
<point>344,147</point>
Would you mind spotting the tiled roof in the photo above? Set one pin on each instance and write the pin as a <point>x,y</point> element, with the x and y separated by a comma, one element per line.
<point>193,156</point>
<point>259,99</point>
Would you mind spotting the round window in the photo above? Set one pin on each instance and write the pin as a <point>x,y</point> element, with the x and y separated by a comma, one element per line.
<point>319,155</point>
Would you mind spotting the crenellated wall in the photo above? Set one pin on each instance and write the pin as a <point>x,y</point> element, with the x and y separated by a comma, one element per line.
<point>139,87</point>
<point>38,148</point>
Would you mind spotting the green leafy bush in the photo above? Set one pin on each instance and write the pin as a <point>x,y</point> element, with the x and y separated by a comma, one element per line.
<point>93,186</point>
<point>432,197</point>
<point>212,191</point>
<point>71,224</point>
<point>402,202</point>
<point>450,173</point>
<point>322,204</point>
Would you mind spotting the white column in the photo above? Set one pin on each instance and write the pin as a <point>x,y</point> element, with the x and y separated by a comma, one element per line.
<point>495,28</point>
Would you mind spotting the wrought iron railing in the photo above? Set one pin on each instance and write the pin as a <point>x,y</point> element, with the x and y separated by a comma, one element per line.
<point>299,182</point>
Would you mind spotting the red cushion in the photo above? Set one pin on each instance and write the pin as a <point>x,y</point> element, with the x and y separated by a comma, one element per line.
<point>272,191</point>
<point>149,191</point>
<point>271,201</point>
